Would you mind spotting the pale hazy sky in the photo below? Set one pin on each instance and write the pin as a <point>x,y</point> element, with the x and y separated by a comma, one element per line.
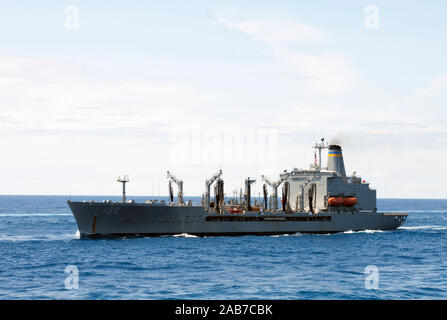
<point>90,90</point>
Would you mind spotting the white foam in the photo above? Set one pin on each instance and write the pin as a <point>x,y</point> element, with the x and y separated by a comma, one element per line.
<point>184,235</point>
<point>372,231</point>
<point>285,235</point>
<point>363,231</point>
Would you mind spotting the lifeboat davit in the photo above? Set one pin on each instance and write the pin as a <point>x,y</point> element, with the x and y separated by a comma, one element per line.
<point>351,201</point>
<point>338,201</point>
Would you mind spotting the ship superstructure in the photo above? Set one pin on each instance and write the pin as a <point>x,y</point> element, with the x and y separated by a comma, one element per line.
<point>327,189</point>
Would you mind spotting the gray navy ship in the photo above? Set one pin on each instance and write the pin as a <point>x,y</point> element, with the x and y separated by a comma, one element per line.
<point>314,200</point>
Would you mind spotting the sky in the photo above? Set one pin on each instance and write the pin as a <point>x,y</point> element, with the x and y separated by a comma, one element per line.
<point>90,90</point>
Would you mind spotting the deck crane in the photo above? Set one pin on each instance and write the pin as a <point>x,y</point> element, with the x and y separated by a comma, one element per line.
<point>274,185</point>
<point>208,184</point>
<point>179,184</point>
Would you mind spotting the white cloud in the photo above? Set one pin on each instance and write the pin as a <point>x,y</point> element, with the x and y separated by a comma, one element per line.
<point>436,86</point>
<point>275,31</point>
<point>16,69</point>
<point>322,73</point>
<point>55,98</point>
<point>425,107</point>
<point>71,132</point>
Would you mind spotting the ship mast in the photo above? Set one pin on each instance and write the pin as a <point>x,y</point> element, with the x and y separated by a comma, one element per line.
<point>124,179</point>
<point>248,183</point>
<point>320,145</point>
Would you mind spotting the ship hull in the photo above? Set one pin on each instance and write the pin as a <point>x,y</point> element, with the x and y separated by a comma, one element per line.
<point>140,219</point>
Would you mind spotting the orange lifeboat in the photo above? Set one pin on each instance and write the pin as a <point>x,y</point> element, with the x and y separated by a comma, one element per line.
<point>338,201</point>
<point>351,201</point>
<point>235,210</point>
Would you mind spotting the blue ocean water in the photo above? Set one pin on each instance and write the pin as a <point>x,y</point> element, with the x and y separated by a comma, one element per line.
<point>39,239</point>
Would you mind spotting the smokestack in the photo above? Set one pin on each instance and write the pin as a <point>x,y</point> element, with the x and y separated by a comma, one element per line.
<point>335,160</point>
